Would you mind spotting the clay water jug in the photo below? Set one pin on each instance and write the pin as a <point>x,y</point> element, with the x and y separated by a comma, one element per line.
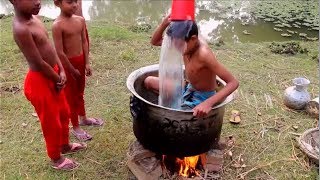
<point>297,96</point>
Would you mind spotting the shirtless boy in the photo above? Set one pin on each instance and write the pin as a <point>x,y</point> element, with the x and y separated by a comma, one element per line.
<point>44,83</point>
<point>69,35</point>
<point>201,68</point>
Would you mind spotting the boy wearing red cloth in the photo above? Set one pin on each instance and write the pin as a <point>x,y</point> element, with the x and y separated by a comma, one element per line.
<point>69,35</point>
<point>44,83</point>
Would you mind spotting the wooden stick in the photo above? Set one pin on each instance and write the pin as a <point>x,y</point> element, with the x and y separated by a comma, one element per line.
<point>269,175</point>
<point>198,175</point>
<point>93,161</point>
<point>259,122</point>
<point>242,175</point>
<point>305,167</point>
<point>205,173</point>
<point>288,127</point>
<point>296,134</point>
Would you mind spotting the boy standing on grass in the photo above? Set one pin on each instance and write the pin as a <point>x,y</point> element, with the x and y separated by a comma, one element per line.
<point>44,83</point>
<point>69,35</point>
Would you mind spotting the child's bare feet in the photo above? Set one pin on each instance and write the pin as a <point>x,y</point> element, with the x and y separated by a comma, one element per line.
<point>64,164</point>
<point>80,134</point>
<point>73,147</point>
<point>84,121</point>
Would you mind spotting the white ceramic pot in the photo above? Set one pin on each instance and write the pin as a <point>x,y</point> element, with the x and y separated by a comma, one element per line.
<point>297,96</point>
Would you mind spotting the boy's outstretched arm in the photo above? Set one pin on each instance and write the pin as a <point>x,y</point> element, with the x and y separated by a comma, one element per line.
<point>156,38</point>
<point>24,40</point>
<point>57,38</point>
<point>231,85</point>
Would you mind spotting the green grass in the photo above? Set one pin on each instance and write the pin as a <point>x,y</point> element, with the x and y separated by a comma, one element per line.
<point>115,52</point>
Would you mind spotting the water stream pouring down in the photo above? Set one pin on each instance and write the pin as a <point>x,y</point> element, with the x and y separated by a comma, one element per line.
<point>170,74</point>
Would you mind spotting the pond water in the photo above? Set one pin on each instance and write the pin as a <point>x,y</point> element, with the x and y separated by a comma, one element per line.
<point>231,21</point>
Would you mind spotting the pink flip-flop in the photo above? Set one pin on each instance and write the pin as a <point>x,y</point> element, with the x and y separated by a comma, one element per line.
<point>92,122</point>
<point>75,147</point>
<point>66,165</point>
<point>84,136</point>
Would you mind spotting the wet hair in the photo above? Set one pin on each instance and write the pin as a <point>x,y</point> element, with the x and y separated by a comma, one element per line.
<point>182,29</point>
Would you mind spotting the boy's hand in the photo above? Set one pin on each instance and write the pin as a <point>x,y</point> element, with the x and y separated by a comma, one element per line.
<point>59,87</point>
<point>202,109</point>
<point>88,70</point>
<point>62,82</point>
<point>63,77</point>
<point>167,20</point>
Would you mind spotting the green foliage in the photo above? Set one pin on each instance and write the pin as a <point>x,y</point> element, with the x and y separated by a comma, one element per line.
<point>128,54</point>
<point>291,48</point>
<point>111,32</point>
<point>140,28</point>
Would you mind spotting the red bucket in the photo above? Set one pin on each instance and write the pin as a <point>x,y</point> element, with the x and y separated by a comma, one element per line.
<point>182,9</point>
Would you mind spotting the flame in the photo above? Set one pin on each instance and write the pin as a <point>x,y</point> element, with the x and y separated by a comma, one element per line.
<point>187,165</point>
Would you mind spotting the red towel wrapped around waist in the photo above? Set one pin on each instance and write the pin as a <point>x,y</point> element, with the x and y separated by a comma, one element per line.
<point>52,109</point>
<point>36,82</point>
<point>75,89</point>
<point>78,63</point>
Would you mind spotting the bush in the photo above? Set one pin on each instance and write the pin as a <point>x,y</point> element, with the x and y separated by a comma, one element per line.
<point>291,48</point>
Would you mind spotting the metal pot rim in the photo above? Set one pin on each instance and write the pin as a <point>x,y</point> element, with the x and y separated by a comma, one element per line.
<point>155,67</point>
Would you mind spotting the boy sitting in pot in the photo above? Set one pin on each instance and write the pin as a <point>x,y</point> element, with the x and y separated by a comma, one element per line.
<point>201,68</point>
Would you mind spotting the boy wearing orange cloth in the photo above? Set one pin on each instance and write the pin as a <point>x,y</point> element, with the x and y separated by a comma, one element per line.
<point>44,83</point>
<point>69,35</point>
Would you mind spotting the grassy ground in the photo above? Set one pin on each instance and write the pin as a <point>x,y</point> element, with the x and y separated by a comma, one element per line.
<point>263,139</point>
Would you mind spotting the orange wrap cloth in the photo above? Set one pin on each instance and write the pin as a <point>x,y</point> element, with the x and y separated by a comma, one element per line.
<point>75,90</point>
<point>52,109</point>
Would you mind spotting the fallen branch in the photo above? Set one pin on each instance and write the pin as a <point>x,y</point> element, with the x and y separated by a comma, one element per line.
<point>288,127</point>
<point>234,159</point>
<point>93,161</point>
<point>269,175</point>
<point>205,173</point>
<point>294,154</point>
<point>243,175</point>
<point>198,175</point>
<point>259,122</point>
<point>296,134</point>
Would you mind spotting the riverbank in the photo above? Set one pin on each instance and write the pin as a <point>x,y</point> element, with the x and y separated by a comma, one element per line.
<point>264,139</point>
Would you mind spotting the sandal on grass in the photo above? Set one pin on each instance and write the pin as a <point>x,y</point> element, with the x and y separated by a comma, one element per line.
<point>91,122</point>
<point>66,165</point>
<point>75,147</point>
<point>84,136</point>
<point>235,117</point>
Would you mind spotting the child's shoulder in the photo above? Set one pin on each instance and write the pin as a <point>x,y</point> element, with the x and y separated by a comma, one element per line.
<point>207,56</point>
<point>206,53</point>
<point>57,23</point>
<point>19,28</point>
<point>79,18</point>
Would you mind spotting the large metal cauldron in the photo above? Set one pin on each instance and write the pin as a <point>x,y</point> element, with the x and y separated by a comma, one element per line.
<point>170,131</point>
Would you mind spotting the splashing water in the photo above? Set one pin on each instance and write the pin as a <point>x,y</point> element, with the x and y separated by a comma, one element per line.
<point>171,73</point>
